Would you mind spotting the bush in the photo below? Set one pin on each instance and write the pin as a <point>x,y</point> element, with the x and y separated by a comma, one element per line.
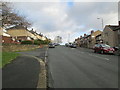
<point>26,42</point>
<point>46,42</point>
<point>38,42</point>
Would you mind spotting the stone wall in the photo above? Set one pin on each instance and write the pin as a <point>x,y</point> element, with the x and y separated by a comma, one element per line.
<point>7,48</point>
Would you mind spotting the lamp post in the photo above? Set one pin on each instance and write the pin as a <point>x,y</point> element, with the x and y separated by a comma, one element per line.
<point>68,37</point>
<point>102,22</point>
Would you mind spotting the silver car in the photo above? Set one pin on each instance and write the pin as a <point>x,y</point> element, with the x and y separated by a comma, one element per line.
<point>51,45</point>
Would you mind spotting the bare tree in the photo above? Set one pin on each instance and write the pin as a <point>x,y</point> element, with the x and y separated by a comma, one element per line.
<point>11,18</point>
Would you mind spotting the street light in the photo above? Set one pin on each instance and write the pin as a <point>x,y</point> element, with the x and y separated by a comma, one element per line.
<point>101,21</point>
<point>68,37</point>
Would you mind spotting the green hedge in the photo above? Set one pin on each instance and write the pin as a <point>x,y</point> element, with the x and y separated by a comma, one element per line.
<point>26,42</point>
<point>38,42</point>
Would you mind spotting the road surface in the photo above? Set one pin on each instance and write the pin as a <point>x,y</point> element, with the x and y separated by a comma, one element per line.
<point>81,68</point>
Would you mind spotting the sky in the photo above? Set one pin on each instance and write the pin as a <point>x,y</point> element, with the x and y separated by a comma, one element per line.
<point>67,19</point>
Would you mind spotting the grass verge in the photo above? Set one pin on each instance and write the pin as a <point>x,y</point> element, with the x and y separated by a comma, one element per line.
<point>7,57</point>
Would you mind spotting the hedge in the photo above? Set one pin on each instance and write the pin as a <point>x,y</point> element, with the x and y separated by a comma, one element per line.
<point>26,42</point>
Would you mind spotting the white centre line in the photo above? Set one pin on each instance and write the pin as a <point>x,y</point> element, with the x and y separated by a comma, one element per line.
<point>99,57</point>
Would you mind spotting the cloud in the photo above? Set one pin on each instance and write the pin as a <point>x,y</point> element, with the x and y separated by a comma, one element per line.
<point>63,18</point>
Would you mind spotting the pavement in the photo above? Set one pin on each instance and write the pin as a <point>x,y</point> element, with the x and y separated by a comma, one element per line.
<point>26,71</point>
<point>81,68</point>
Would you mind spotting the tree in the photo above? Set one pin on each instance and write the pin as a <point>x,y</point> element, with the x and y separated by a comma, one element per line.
<point>11,18</point>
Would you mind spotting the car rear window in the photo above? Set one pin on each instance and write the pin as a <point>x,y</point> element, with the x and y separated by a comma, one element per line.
<point>106,46</point>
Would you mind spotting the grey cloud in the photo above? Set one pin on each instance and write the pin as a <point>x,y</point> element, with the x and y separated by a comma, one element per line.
<point>86,13</point>
<point>80,17</point>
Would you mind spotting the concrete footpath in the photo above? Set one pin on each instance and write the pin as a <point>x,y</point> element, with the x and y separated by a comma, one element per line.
<point>26,71</point>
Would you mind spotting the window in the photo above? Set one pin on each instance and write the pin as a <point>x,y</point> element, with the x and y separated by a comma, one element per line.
<point>106,34</point>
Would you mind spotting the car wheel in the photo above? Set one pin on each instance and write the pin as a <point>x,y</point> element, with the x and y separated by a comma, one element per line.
<point>94,51</point>
<point>116,53</point>
<point>102,52</point>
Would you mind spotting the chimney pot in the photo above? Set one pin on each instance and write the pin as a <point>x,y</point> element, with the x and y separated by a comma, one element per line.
<point>92,31</point>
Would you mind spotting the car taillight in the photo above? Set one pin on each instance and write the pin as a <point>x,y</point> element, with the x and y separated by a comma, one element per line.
<point>113,49</point>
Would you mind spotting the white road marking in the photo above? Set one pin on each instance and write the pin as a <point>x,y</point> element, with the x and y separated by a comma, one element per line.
<point>99,57</point>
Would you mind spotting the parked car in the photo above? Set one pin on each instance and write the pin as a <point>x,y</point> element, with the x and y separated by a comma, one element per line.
<point>103,48</point>
<point>116,48</point>
<point>67,44</point>
<point>73,45</point>
<point>56,44</point>
<point>51,45</point>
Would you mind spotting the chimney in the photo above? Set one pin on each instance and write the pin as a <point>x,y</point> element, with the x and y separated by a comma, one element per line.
<point>80,36</point>
<point>92,31</point>
<point>84,35</point>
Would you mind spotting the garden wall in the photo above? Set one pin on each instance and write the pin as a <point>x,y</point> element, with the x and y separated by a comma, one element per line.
<point>7,48</point>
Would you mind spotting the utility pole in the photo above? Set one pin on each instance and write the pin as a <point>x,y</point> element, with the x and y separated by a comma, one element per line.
<point>68,37</point>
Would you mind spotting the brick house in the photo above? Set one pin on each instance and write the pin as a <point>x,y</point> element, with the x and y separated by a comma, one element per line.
<point>110,35</point>
<point>118,30</point>
<point>35,35</point>
<point>98,39</point>
<point>88,41</point>
<point>85,40</point>
<point>19,33</point>
<point>5,38</point>
<point>77,41</point>
<point>93,37</point>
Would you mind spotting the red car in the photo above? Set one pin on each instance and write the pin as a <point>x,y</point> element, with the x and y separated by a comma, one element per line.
<point>103,48</point>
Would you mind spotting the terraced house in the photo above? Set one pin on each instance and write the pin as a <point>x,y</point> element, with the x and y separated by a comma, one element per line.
<point>5,37</point>
<point>21,33</point>
<point>111,35</point>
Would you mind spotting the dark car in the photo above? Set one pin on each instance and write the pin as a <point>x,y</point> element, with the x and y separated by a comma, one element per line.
<point>51,45</point>
<point>56,44</point>
<point>103,48</point>
<point>73,45</point>
<point>67,44</point>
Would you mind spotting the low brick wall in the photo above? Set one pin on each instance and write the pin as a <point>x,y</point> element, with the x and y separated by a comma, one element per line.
<point>7,48</point>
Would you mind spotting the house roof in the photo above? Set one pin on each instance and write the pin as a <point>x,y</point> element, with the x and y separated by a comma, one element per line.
<point>98,35</point>
<point>16,27</point>
<point>88,36</point>
<point>114,28</point>
<point>118,28</point>
<point>5,34</point>
<point>32,31</point>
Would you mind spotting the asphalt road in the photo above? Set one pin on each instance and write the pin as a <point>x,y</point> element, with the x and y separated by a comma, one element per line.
<point>81,68</point>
